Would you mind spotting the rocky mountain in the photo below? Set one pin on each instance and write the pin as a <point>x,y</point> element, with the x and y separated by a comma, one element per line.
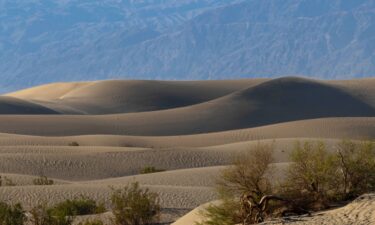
<point>47,41</point>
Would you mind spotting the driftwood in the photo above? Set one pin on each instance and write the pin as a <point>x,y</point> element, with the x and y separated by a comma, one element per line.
<point>254,211</point>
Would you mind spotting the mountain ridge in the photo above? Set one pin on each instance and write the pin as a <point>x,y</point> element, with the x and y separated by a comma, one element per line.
<point>185,40</point>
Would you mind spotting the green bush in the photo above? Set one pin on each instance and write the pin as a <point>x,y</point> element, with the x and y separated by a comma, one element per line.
<point>249,175</point>
<point>81,206</point>
<point>223,213</point>
<point>356,163</point>
<point>150,169</point>
<point>132,205</point>
<point>42,215</point>
<point>11,215</point>
<point>315,179</point>
<point>319,177</point>
<point>311,175</point>
<point>43,180</point>
<point>64,212</point>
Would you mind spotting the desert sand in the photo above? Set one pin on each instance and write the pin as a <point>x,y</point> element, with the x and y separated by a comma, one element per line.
<point>190,129</point>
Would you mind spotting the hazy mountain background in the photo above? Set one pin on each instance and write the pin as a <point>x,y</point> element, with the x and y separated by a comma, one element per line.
<point>47,40</point>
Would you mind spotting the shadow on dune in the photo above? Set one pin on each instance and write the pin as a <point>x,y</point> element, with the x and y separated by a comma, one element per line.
<point>275,101</point>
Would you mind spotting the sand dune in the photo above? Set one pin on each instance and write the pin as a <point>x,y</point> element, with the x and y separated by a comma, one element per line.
<point>362,88</point>
<point>171,196</point>
<point>48,91</point>
<point>85,163</point>
<point>114,96</point>
<point>191,129</point>
<point>346,127</point>
<point>275,101</point>
<point>11,105</point>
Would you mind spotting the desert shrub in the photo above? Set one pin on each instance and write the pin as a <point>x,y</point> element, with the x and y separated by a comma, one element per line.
<point>314,180</point>
<point>246,181</point>
<point>6,181</point>
<point>356,163</point>
<point>93,222</point>
<point>150,169</point>
<point>11,215</point>
<point>43,180</point>
<point>73,143</point>
<point>9,182</point>
<point>318,177</point>
<point>132,205</point>
<point>81,206</point>
<point>63,213</point>
<point>310,177</point>
<point>225,212</point>
<point>42,215</point>
<point>250,173</point>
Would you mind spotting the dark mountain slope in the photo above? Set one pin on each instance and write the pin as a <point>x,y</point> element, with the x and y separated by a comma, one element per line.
<point>91,40</point>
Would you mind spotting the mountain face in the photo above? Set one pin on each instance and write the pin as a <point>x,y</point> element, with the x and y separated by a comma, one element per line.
<point>47,41</point>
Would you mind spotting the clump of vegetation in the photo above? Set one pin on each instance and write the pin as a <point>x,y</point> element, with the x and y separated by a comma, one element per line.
<point>11,215</point>
<point>42,215</point>
<point>310,177</point>
<point>9,182</point>
<point>248,180</point>
<point>225,212</point>
<point>132,205</point>
<point>94,222</point>
<point>319,177</point>
<point>315,179</point>
<point>64,212</point>
<point>150,169</point>
<point>6,182</point>
<point>43,180</point>
<point>73,143</point>
<point>81,206</point>
<point>356,162</point>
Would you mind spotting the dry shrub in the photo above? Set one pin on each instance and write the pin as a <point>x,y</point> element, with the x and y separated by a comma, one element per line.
<point>73,143</point>
<point>150,169</point>
<point>132,205</point>
<point>6,182</point>
<point>248,177</point>
<point>43,180</point>
<point>11,215</point>
<point>357,168</point>
<point>42,215</point>
<point>93,222</point>
<point>315,179</point>
<point>63,213</point>
<point>309,178</point>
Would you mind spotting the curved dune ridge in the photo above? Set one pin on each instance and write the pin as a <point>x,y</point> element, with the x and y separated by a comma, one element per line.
<point>11,105</point>
<point>275,101</point>
<point>119,96</point>
<point>190,129</point>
